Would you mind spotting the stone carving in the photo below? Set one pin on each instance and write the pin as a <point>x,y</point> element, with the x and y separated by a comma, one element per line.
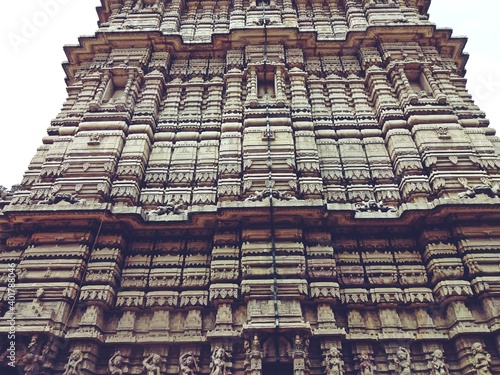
<point>373,206</point>
<point>218,365</point>
<point>491,190</point>
<point>176,208</point>
<point>403,362</point>
<point>366,366</point>
<point>115,364</point>
<point>34,358</point>
<point>255,345</point>
<point>438,365</point>
<point>3,192</point>
<point>152,364</point>
<point>62,197</point>
<point>297,343</point>
<point>162,123</point>
<point>266,193</point>
<point>442,132</point>
<point>481,360</point>
<point>188,364</point>
<point>73,365</point>
<point>334,365</point>
<point>147,5</point>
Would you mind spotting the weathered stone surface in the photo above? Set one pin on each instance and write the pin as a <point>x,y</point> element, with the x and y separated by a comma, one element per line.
<point>259,187</point>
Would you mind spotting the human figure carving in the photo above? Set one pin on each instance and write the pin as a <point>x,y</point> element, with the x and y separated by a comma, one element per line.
<point>152,364</point>
<point>439,367</point>
<point>333,362</point>
<point>73,365</point>
<point>188,364</point>
<point>481,360</point>
<point>33,359</point>
<point>366,366</point>
<point>403,362</point>
<point>297,343</point>
<point>256,343</point>
<point>219,358</point>
<point>115,364</point>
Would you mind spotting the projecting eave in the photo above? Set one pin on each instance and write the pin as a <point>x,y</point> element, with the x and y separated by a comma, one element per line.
<point>104,42</point>
<point>316,211</point>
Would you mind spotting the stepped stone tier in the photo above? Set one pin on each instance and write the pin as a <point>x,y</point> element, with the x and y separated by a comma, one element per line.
<point>259,187</point>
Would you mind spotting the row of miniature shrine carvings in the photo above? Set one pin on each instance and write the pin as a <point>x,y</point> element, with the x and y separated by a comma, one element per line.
<point>333,362</point>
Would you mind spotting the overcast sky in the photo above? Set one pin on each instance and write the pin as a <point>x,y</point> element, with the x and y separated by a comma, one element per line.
<point>33,89</point>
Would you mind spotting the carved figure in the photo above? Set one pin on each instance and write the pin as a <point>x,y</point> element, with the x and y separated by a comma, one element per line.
<point>62,197</point>
<point>219,358</point>
<point>73,365</point>
<point>146,5</point>
<point>247,347</point>
<point>33,359</point>
<point>373,206</point>
<point>366,366</point>
<point>491,190</point>
<point>152,364</point>
<point>439,367</point>
<point>115,364</point>
<point>334,365</point>
<point>403,362</point>
<point>379,2</point>
<point>3,192</point>
<point>297,343</point>
<point>256,344</point>
<point>170,208</point>
<point>266,193</point>
<point>481,360</point>
<point>188,364</point>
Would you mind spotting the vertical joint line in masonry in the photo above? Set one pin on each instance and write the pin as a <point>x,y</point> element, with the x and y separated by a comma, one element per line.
<point>270,187</point>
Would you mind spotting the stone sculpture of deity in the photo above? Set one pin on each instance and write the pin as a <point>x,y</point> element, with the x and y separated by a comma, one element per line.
<point>152,364</point>
<point>438,366</point>
<point>73,365</point>
<point>188,364</point>
<point>333,362</point>
<point>481,360</point>
<point>403,362</point>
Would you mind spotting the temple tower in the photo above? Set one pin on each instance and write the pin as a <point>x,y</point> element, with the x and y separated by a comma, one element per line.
<point>258,187</point>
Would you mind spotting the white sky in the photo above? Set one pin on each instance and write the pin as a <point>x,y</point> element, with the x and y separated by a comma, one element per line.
<point>33,32</point>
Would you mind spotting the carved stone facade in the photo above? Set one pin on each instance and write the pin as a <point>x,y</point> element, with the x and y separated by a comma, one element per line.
<point>256,187</point>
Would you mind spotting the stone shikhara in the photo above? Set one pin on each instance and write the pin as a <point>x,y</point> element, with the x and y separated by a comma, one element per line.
<point>259,187</point>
